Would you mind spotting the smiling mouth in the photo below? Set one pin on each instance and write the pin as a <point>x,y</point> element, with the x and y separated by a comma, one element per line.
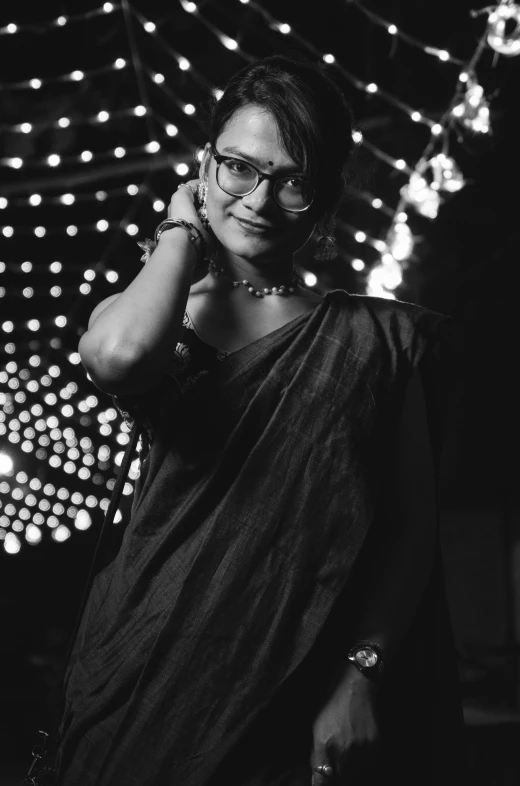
<point>257,229</point>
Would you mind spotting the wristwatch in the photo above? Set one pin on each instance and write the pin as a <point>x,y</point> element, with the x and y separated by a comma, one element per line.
<point>367,658</point>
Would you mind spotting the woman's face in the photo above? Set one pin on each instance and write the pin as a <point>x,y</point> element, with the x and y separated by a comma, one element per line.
<point>255,227</point>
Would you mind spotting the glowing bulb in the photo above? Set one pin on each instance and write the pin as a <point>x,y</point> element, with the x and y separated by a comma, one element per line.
<point>132,229</point>
<point>35,84</point>
<point>218,93</point>
<point>416,116</point>
<point>101,195</point>
<point>149,27</point>
<point>39,231</point>
<point>392,29</point>
<point>3,203</point>
<point>77,76</point>
<point>229,43</point>
<point>140,110</point>
<point>285,29</point>
<point>120,63</point>
<point>357,137</point>
<point>158,205</point>
<point>35,199</point>
<point>7,231</point>
<point>436,129</point>
<point>103,116</point>
<point>53,160</point>
<point>86,155</point>
<point>182,169</point>
<point>189,109</point>
<point>16,163</point>
<point>377,203</point>
<point>26,128</point>
<point>189,7</point>
<point>63,122</point>
<point>119,152</point>
<point>358,264</point>
<point>371,88</point>
<point>360,237</point>
<point>132,189</point>
<point>184,64</point>
<point>102,225</point>
<point>153,147</point>
<point>400,164</point>
<point>72,230</point>
<point>402,218</point>
<point>12,28</point>
<point>329,58</point>
<point>172,130</point>
<point>61,21</point>
<point>108,7</point>
<point>442,54</point>
<point>310,279</point>
<point>67,199</point>
<point>158,79</point>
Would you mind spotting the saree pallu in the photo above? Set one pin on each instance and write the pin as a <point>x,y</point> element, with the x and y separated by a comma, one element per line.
<point>208,638</point>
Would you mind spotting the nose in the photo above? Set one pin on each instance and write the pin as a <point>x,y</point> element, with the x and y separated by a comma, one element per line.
<point>258,198</point>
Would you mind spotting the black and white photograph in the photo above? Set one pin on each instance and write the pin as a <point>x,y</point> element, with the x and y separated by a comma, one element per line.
<point>259,517</point>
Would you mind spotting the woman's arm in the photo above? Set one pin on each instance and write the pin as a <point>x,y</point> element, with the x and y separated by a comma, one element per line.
<point>401,568</point>
<point>345,730</point>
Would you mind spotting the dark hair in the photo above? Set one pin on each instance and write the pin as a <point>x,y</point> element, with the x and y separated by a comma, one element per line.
<point>313,116</point>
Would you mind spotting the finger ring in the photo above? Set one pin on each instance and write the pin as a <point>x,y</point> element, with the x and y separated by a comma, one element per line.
<point>186,186</point>
<point>325,770</point>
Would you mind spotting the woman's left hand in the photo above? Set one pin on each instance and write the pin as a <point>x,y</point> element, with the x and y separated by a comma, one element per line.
<point>345,731</point>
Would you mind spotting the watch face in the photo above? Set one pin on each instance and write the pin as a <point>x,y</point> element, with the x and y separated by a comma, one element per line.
<point>366,658</point>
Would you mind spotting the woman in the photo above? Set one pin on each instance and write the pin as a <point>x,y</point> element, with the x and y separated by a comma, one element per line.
<point>274,613</point>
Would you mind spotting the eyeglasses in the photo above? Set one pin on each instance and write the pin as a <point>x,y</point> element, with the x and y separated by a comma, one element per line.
<point>238,178</point>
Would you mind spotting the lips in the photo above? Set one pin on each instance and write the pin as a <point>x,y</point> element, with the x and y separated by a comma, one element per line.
<point>257,229</point>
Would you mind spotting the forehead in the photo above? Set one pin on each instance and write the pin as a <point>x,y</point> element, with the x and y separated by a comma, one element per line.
<point>254,131</point>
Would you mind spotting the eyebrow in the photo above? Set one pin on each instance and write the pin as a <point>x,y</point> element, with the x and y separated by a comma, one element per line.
<point>289,170</point>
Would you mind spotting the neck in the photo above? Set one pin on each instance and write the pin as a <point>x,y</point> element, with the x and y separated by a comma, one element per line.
<point>268,273</point>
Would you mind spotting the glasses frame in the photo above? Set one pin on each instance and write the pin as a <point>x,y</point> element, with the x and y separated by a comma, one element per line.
<point>219,158</point>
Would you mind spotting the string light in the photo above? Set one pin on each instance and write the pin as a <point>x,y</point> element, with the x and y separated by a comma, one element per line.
<point>60,21</point>
<point>74,76</point>
<point>503,40</point>
<point>473,110</point>
<point>421,196</point>
<point>393,30</point>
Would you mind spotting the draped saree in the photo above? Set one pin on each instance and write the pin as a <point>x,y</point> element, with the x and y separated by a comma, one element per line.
<point>209,635</point>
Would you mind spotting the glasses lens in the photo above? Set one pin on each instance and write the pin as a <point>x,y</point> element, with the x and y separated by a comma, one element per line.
<point>236,177</point>
<point>293,193</point>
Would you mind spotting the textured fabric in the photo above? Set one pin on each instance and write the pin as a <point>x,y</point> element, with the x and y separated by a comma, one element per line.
<point>207,639</point>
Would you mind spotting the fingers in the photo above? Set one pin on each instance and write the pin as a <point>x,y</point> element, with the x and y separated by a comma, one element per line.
<point>319,779</point>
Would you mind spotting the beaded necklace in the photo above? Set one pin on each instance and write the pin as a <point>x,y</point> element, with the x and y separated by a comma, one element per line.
<point>284,289</point>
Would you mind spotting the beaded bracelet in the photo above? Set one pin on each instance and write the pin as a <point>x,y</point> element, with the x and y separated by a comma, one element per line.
<point>194,234</point>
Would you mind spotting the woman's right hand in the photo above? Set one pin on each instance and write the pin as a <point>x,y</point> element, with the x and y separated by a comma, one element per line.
<point>183,205</point>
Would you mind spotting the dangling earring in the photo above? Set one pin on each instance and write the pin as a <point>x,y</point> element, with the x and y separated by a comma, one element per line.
<point>325,249</point>
<point>202,212</point>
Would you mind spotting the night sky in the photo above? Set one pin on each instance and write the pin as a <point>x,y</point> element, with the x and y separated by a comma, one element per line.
<point>464,262</point>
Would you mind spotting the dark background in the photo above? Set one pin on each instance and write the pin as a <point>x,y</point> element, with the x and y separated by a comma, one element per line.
<point>464,265</point>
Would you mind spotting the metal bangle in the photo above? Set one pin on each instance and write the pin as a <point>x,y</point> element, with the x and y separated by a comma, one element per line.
<point>194,234</point>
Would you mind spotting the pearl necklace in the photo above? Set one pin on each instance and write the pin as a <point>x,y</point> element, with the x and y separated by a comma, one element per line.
<point>284,289</point>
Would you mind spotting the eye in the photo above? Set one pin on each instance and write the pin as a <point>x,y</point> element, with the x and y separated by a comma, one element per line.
<point>239,167</point>
<point>295,182</point>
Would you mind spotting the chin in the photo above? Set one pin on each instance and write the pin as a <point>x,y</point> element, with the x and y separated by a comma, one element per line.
<point>250,248</point>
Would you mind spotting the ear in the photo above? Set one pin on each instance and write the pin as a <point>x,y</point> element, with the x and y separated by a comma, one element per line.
<point>205,162</point>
